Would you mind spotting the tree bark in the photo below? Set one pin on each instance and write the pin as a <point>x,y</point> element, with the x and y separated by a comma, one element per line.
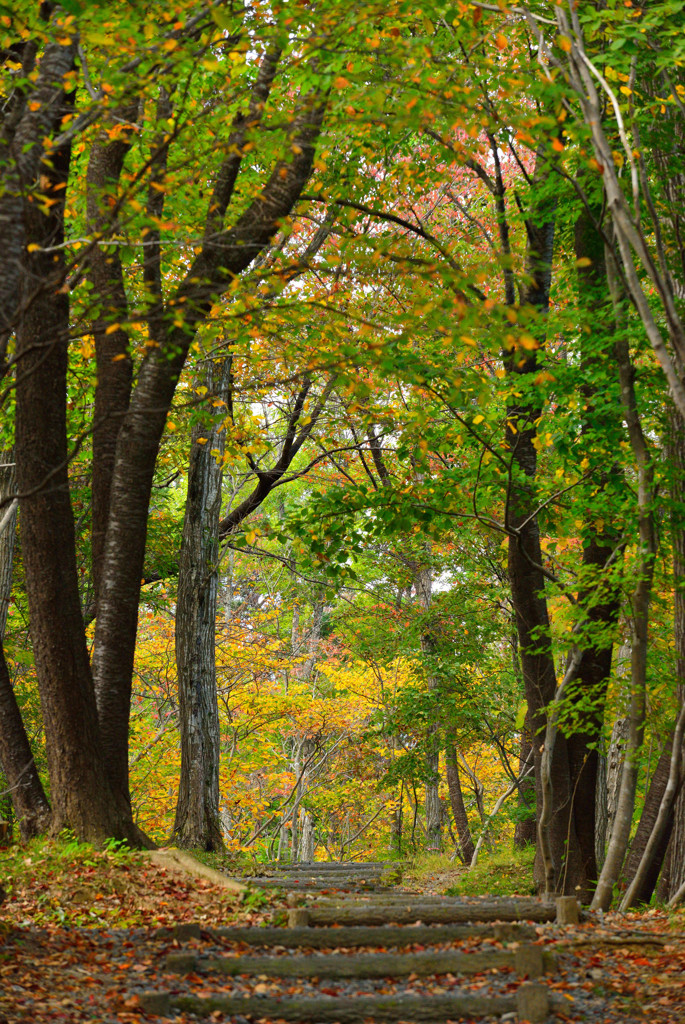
<point>524,830</point>
<point>197,823</point>
<point>674,869</point>
<point>466,847</point>
<point>112,355</point>
<point>647,856</point>
<point>599,598</point>
<point>640,602</point>
<point>601,809</point>
<point>30,805</point>
<point>81,797</point>
<point>433,805</point>
<point>525,561</point>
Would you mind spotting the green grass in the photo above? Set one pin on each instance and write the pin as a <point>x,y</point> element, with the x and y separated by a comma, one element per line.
<point>508,873</point>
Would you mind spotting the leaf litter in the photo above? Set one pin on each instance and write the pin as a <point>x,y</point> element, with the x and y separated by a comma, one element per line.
<point>83,944</point>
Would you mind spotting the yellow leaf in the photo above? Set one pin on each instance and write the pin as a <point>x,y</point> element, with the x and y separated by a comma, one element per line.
<point>112,328</point>
<point>478,419</point>
<point>202,440</point>
<point>528,342</point>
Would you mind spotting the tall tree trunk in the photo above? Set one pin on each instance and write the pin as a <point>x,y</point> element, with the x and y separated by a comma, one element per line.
<point>224,256</point>
<point>197,823</point>
<point>598,598</point>
<point>466,847</point>
<point>113,358</point>
<point>29,802</point>
<point>81,797</point>
<point>656,823</point>
<point>525,561</point>
<point>674,868</point>
<point>434,811</point>
<point>640,601</point>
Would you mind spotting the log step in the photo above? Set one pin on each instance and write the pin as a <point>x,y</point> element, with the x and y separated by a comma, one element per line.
<point>386,936</point>
<point>336,865</point>
<point>314,885</point>
<point>428,913</point>
<point>526,961</point>
<point>531,1003</point>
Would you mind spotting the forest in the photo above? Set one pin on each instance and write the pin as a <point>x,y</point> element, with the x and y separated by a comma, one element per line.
<point>342,475</point>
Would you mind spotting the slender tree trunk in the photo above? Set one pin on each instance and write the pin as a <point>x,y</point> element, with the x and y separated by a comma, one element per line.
<point>647,855</point>
<point>639,611</point>
<point>396,828</point>
<point>524,830</point>
<point>29,802</point>
<point>615,758</point>
<point>601,807</point>
<point>223,257</point>
<point>673,876</point>
<point>197,822</point>
<point>598,598</point>
<point>466,847</point>
<point>434,813</point>
<point>313,639</point>
<point>524,565</point>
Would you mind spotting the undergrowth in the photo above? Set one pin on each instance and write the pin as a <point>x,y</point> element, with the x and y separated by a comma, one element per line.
<point>506,873</point>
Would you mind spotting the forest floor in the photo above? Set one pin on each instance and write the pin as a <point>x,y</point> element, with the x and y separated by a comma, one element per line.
<point>82,934</point>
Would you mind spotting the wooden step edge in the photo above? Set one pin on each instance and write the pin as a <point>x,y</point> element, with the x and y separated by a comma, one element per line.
<point>370,915</point>
<point>527,961</point>
<point>322,938</point>
<point>531,1003</point>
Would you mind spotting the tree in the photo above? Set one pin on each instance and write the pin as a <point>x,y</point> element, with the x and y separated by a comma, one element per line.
<point>16,757</point>
<point>86,711</point>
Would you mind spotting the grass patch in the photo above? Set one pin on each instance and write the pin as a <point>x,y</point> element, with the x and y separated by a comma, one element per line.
<point>508,873</point>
